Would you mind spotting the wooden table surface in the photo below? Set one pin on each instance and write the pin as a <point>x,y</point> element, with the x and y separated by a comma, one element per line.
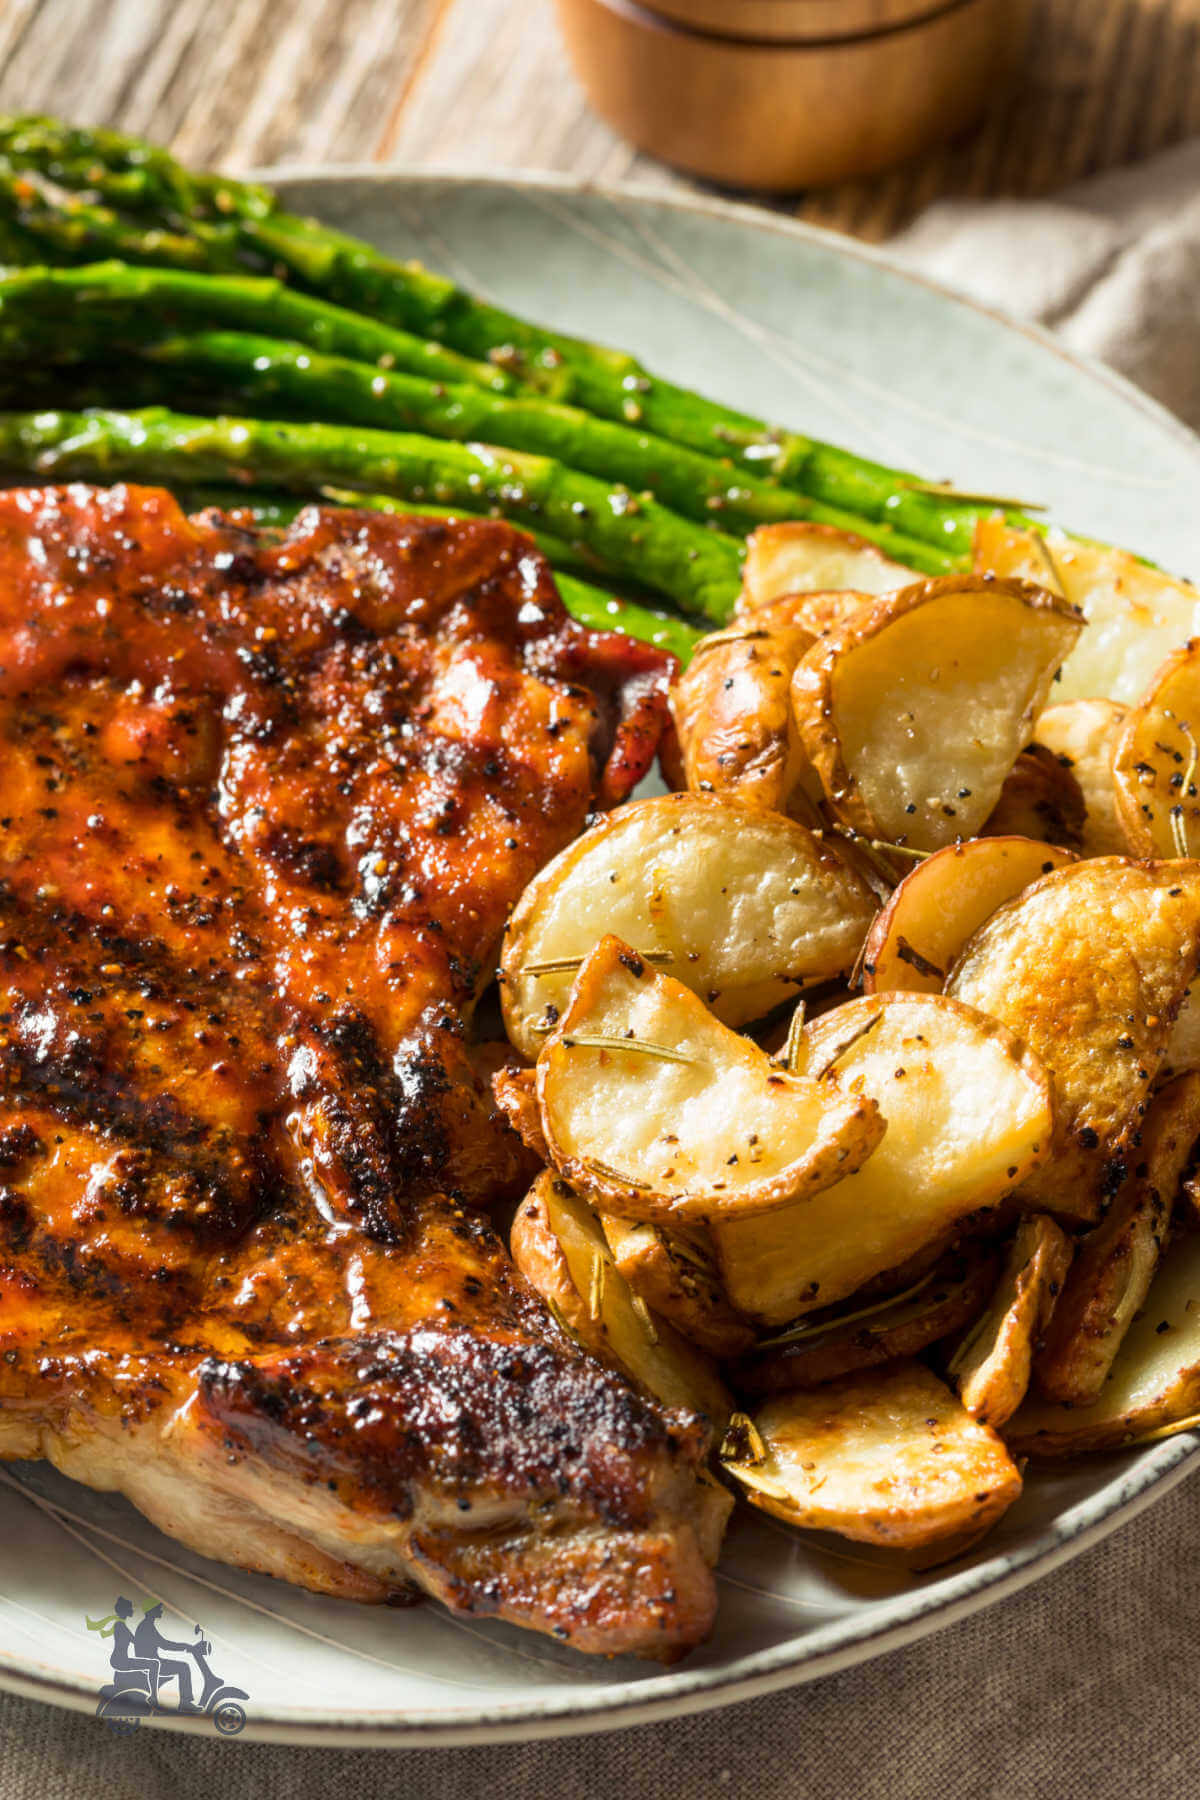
<point>484,84</point>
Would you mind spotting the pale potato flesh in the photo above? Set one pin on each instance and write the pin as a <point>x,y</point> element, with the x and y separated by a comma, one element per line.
<point>1156,762</point>
<point>913,713</point>
<point>1089,967</point>
<point>559,1247</point>
<point>887,1457</point>
<point>968,1116</point>
<point>744,909</point>
<point>940,904</point>
<point>1135,614</point>
<point>1082,734</point>
<point>709,1129</point>
<point>1115,1264</point>
<point>991,1369</point>
<point>1154,1381</point>
<point>805,558</point>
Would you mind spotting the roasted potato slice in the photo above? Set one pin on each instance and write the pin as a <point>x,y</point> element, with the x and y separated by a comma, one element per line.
<point>744,909</point>
<point>1135,614</point>
<point>1089,968</point>
<point>1040,799</point>
<point>733,714</point>
<point>1115,1264</point>
<point>818,1350</point>
<point>560,1248</point>
<point>803,558</point>
<point>1154,1382</point>
<point>915,710</point>
<point>1082,734</point>
<point>887,1457</point>
<point>940,904</point>
<point>652,1105</point>
<point>1156,762</point>
<point>675,1272</point>
<point>968,1115</point>
<point>992,1364</point>
<point>515,1093</point>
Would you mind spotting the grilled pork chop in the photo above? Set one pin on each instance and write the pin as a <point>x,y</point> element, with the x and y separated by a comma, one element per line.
<point>266,801</point>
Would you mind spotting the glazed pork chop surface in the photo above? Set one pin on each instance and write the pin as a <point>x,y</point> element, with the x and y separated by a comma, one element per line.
<point>266,801</point>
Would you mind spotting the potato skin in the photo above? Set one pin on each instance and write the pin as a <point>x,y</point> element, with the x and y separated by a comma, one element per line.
<point>1115,1264</point>
<point>992,1374</point>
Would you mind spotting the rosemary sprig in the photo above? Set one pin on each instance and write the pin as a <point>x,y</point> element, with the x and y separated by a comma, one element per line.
<point>945,490</point>
<point>805,1330</point>
<point>564,965</point>
<point>608,1173</point>
<point>645,1317</point>
<point>848,1043</point>
<point>599,1271</point>
<point>742,1442</point>
<point>791,1049</point>
<point>639,1046</point>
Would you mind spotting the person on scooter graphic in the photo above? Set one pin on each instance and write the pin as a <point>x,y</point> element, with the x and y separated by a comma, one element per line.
<point>141,1661</point>
<point>149,1645</point>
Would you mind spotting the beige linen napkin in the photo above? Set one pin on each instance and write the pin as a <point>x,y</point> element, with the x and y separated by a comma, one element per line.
<point>1084,1687</point>
<point>1112,265</point>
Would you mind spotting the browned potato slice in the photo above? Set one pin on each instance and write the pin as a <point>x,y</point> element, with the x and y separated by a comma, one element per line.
<point>676,1274</point>
<point>991,1366</point>
<point>559,1247</point>
<point>942,903</point>
<point>1136,615</point>
<point>1115,1264</point>
<point>913,712</point>
<point>1156,760</point>
<point>1082,734</point>
<point>803,558</point>
<point>515,1093</point>
<point>733,713</point>
<point>887,1457</point>
<point>1154,1381</point>
<point>1089,967</point>
<point>1040,799</point>
<point>745,909</point>
<point>651,1104</point>
<point>968,1116</point>
<point>821,1350</point>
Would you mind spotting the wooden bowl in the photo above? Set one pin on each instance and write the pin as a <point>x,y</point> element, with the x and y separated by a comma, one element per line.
<point>795,21</point>
<point>777,113</point>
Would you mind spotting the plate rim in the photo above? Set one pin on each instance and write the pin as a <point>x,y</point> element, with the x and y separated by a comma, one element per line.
<point>677,1694</point>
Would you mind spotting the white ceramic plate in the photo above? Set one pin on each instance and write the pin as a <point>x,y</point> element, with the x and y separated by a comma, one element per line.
<point>827,337</point>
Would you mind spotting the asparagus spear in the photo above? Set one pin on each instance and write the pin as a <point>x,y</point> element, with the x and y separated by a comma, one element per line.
<point>586,603</point>
<point>232,219</point>
<point>688,563</point>
<point>256,374</point>
<point>88,309</point>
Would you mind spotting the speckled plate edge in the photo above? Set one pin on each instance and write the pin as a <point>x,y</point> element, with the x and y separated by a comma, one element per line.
<point>844,1642</point>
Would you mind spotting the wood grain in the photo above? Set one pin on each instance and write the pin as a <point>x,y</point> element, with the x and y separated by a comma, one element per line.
<point>484,84</point>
